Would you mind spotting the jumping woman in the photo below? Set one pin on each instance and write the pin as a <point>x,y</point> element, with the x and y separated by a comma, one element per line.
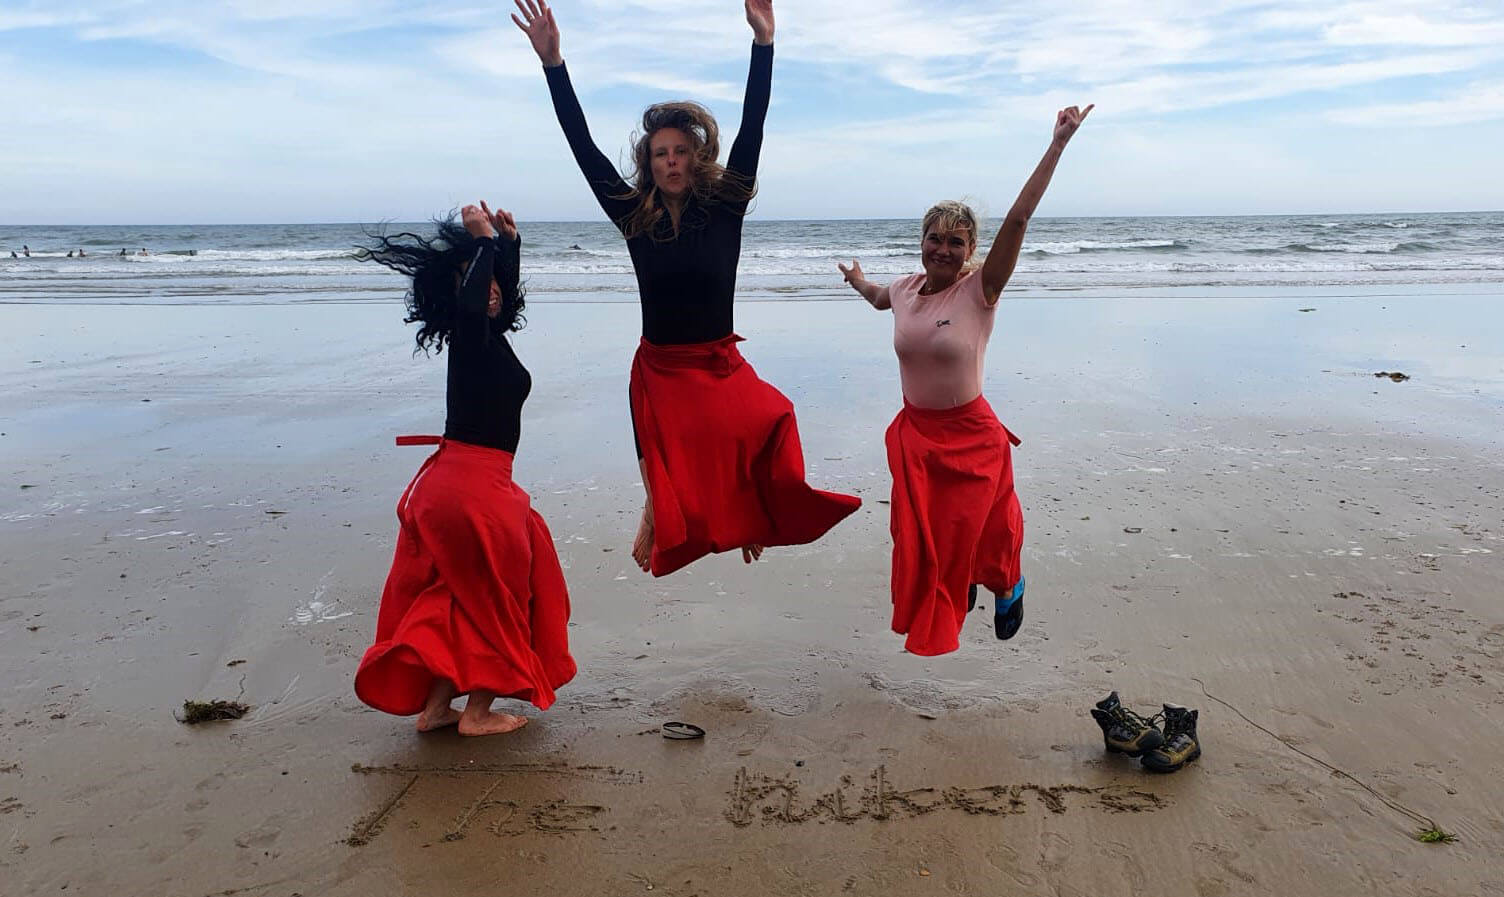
<point>718,447</point>
<point>475,603</point>
<point>956,520</point>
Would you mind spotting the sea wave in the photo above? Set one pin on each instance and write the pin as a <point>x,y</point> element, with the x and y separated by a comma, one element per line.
<point>1383,247</point>
<point>1077,246</point>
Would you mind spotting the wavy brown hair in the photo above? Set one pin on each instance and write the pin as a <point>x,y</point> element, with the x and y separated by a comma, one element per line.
<point>710,181</point>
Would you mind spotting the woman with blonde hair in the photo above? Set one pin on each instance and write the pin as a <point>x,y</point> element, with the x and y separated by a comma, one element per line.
<point>956,520</point>
<point>719,447</point>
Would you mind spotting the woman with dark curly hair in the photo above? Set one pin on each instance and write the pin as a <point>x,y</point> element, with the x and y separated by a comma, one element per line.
<point>475,603</point>
<point>719,447</point>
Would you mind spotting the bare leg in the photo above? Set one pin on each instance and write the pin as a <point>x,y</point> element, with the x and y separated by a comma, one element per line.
<point>478,718</point>
<point>437,713</point>
<point>642,546</point>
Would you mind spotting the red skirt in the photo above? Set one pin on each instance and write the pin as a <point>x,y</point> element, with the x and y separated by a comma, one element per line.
<point>955,518</point>
<point>722,456</point>
<point>475,595</point>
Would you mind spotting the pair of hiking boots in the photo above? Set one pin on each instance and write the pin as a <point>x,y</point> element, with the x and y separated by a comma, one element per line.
<point>1164,749</point>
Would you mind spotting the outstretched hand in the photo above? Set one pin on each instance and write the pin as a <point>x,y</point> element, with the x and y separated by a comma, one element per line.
<point>760,17</point>
<point>1067,120</point>
<point>852,274</point>
<point>542,31</point>
<point>502,220</point>
<point>477,222</point>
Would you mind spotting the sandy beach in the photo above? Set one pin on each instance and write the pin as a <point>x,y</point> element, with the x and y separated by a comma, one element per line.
<point>1226,509</point>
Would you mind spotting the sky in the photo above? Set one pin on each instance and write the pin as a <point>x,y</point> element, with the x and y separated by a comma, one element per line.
<point>252,111</point>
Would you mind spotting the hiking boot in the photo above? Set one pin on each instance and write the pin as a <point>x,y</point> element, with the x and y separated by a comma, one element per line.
<point>1008,615</point>
<point>1123,731</point>
<point>1181,745</point>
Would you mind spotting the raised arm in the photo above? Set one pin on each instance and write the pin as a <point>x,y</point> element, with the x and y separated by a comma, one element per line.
<point>877,296</point>
<point>537,22</point>
<point>470,324</point>
<point>747,147</point>
<point>1003,256</point>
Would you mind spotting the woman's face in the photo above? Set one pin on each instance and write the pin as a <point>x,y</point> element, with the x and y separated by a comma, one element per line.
<point>493,305</point>
<point>672,156</point>
<point>945,252</point>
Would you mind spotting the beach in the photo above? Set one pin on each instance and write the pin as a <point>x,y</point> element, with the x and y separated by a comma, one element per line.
<point>1225,509</point>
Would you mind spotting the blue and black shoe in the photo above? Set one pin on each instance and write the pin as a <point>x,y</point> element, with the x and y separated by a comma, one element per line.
<point>1009,615</point>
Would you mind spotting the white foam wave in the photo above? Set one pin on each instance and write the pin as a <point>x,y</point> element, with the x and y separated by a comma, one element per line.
<point>831,252</point>
<point>1360,248</point>
<point>1075,246</point>
<point>247,255</point>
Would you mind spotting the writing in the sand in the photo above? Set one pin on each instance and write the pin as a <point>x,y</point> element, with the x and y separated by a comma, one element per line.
<point>488,811</point>
<point>777,800</point>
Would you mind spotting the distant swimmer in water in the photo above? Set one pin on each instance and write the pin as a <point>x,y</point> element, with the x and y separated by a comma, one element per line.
<point>70,253</point>
<point>26,250</point>
<point>143,251</point>
<point>13,254</point>
<point>122,253</point>
<point>80,253</point>
<point>193,252</point>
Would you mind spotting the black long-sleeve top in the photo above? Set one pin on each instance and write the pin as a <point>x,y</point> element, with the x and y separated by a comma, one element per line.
<point>487,382</point>
<point>686,281</point>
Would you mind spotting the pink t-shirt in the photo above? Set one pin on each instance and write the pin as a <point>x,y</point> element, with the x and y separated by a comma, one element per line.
<point>941,340</point>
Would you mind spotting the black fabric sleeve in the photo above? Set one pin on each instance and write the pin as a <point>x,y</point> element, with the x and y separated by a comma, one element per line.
<point>604,180</point>
<point>748,146</point>
<point>471,324</point>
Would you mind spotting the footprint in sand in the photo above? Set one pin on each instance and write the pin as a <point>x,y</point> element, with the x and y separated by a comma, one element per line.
<point>259,837</point>
<point>1491,642</point>
<point>1128,865</point>
<point>1007,862</point>
<point>1223,857</point>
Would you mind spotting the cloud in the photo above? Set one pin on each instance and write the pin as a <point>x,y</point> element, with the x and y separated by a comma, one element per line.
<point>392,106</point>
<point>1478,102</point>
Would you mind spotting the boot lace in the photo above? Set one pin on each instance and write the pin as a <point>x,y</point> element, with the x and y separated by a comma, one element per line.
<point>1133,721</point>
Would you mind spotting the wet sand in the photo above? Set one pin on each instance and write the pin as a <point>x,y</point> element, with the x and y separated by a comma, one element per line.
<point>1221,500</point>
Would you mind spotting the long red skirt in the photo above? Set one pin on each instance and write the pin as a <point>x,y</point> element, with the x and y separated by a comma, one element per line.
<point>721,450</point>
<point>956,519</point>
<point>475,595</point>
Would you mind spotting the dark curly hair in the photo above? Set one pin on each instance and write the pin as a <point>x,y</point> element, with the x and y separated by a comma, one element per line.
<point>434,264</point>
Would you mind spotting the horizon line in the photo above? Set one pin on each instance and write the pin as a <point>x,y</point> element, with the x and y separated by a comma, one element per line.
<point>601,220</point>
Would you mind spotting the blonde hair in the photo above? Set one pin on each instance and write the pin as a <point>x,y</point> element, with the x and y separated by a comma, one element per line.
<point>710,181</point>
<point>948,215</point>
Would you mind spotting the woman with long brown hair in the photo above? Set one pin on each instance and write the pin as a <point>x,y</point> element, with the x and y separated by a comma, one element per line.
<point>719,447</point>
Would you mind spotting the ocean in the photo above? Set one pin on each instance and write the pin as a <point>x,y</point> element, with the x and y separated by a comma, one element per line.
<point>781,260</point>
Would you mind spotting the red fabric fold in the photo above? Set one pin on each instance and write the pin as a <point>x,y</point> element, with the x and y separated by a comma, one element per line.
<point>475,594</point>
<point>955,518</point>
<point>721,449</point>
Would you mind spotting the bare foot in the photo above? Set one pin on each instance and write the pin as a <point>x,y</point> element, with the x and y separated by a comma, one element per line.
<point>489,723</point>
<point>430,720</point>
<point>642,546</point>
<point>751,553</point>
<point>436,712</point>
